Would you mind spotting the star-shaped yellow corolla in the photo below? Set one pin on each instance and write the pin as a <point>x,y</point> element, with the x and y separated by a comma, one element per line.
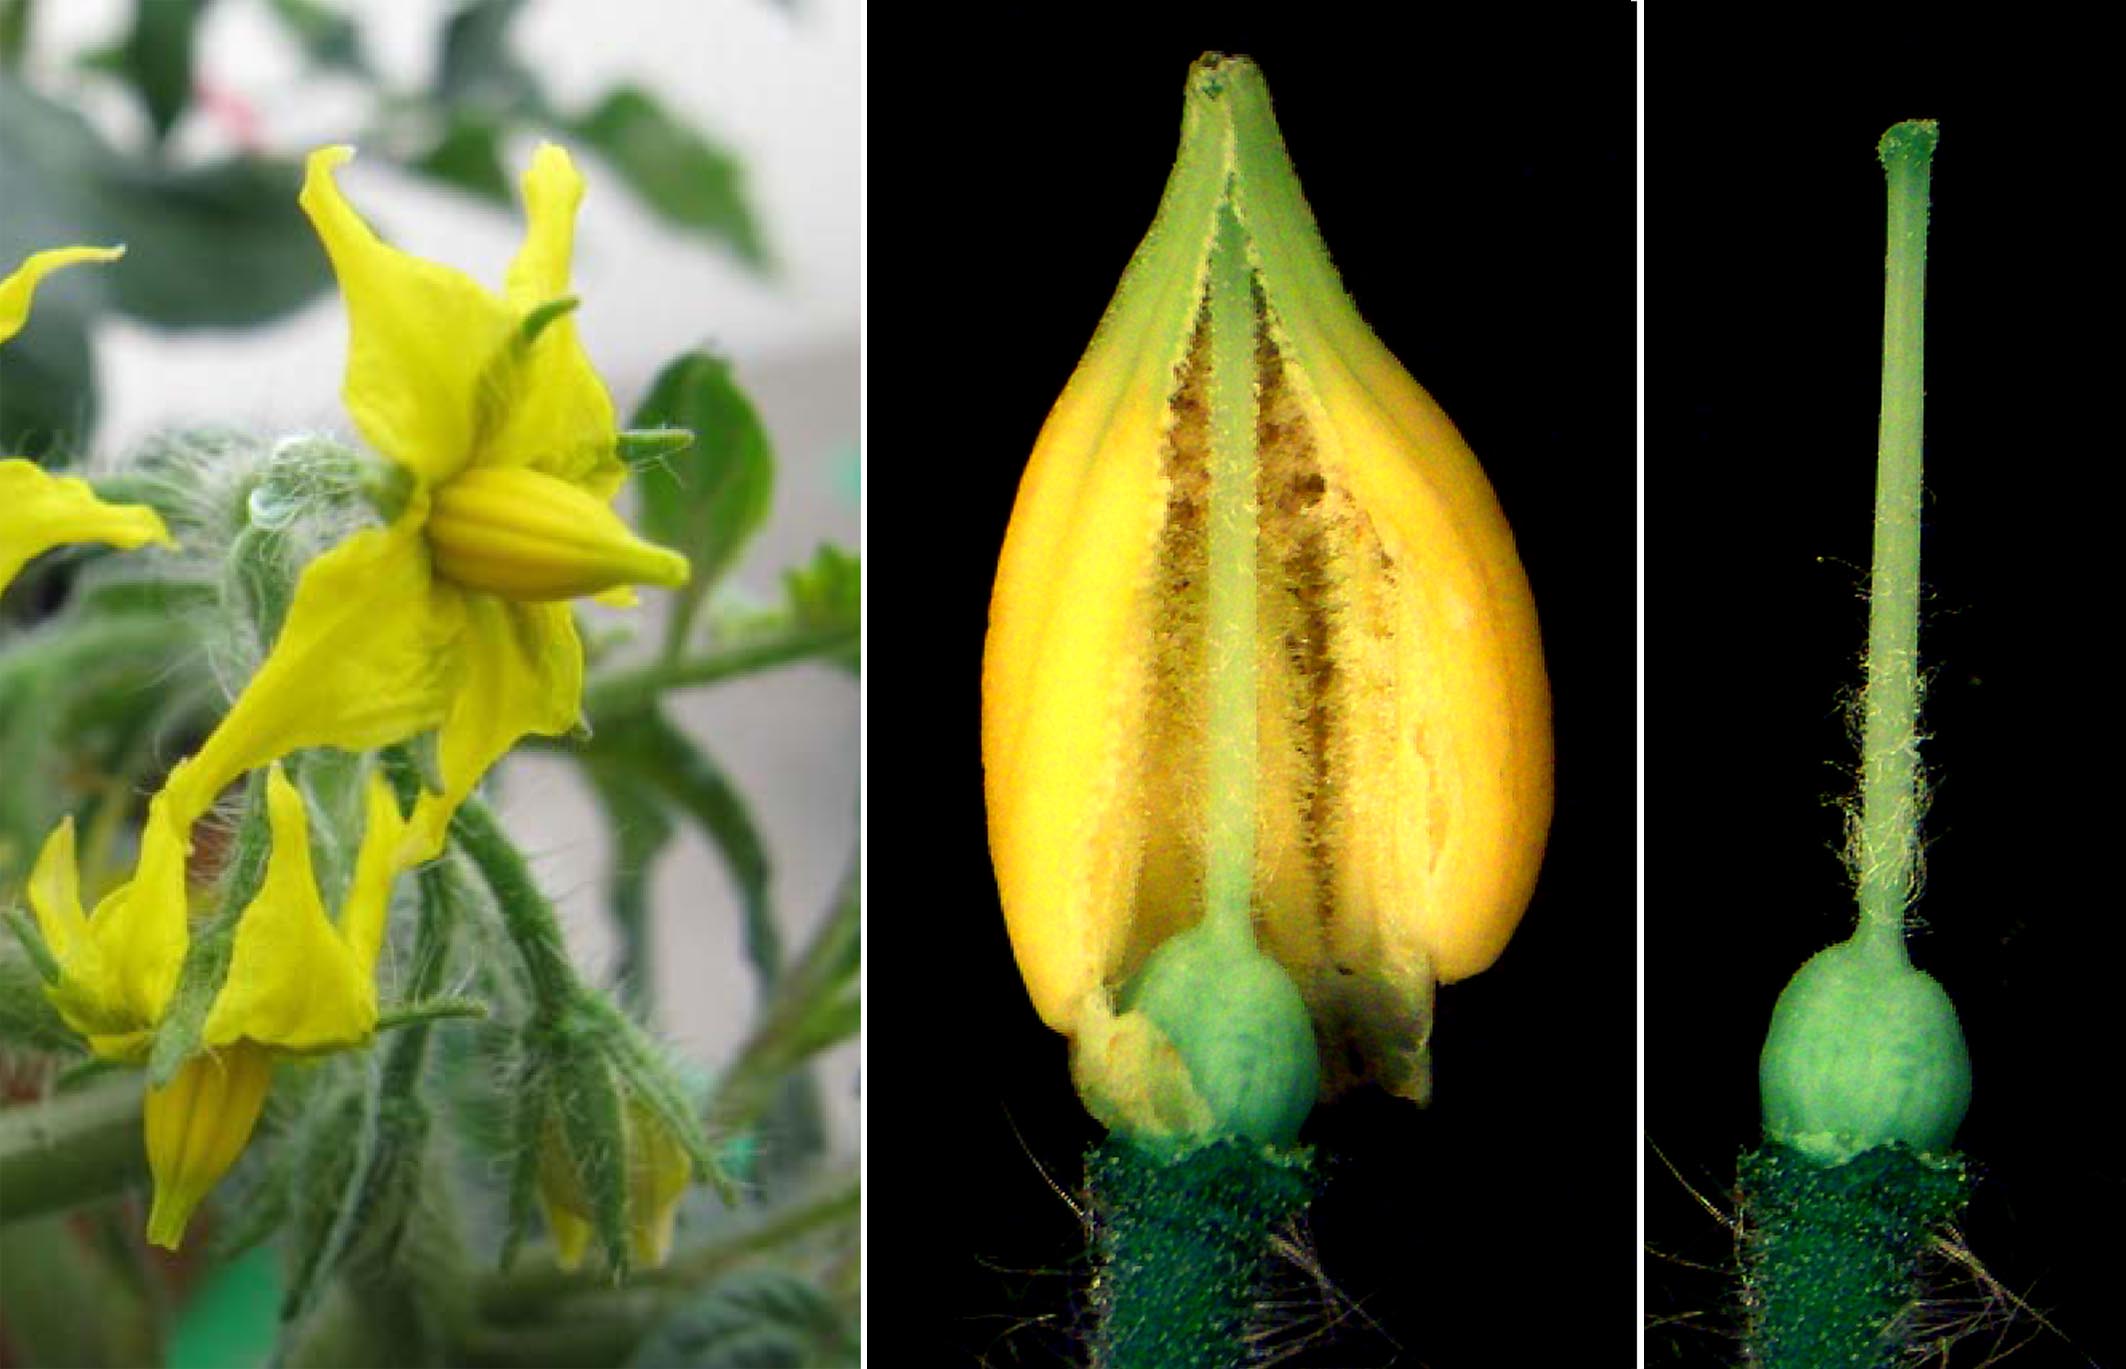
<point>454,616</point>
<point>297,983</point>
<point>40,511</point>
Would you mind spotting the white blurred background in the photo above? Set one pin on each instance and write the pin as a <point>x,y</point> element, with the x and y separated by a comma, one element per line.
<point>779,85</point>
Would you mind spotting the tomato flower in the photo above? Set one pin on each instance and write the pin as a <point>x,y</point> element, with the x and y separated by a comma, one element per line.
<point>297,983</point>
<point>454,615</point>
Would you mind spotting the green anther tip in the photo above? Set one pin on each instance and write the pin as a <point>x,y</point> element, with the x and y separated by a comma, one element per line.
<point>1909,142</point>
<point>537,320</point>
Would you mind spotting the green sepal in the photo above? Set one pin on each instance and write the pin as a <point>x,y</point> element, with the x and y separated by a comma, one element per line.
<point>1831,1253</point>
<point>590,1125</point>
<point>40,955</point>
<point>429,1010</point>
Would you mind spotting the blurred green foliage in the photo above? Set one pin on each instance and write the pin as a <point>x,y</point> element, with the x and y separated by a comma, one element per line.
<point>223,245</point>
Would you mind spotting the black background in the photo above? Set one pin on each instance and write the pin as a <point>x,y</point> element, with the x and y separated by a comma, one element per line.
<point>1474,181</point>
<point>1764,245</point>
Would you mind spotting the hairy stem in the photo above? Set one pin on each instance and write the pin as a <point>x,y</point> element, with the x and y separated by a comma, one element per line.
<point>625,691</point>
<point>526,912</point>
<point>71,1149</point>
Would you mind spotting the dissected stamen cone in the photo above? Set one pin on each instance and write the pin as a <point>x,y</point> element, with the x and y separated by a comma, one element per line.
<point>525,535</point>
<point>1261,647</point>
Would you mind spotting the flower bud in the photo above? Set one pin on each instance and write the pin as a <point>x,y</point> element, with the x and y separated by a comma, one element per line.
<point>658,1171</point>
<point>525,535</point>
<point>1261,653</point>
<point>197,1126</point>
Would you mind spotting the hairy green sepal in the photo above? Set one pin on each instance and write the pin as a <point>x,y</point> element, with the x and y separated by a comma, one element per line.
<point>1833,1251</point>
<point>1182,1245</point>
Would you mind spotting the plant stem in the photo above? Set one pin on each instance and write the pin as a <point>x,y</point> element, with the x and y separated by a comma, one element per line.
<point>1889,783</point>
<point>70,1149</point>
<point>787,1030</point>
<point>626,690</point>
<point>526,912</point>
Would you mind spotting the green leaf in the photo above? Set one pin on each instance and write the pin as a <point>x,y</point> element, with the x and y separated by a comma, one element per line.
<point>752,1319</point>
<point>641,830</point>
<point>330,38</point>
<point>467,154</point>
<point>827,594</point>
<point>477,67</point>
<point>158,57</point>
<point>27,1017</point>
<point>688,180</point>
<point>214,246</point>
<point>14,32</point>
<point>643,752</point>
<point>47,374</point>
<point>710,499</point>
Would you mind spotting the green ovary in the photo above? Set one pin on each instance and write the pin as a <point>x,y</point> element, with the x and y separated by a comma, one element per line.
<point>1240,1027</point>
<point>1863,1051</point>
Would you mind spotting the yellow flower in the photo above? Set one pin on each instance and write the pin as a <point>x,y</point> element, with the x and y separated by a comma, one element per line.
<point>658,1171</point>
<point>1262,679</point>
<point>297,983</point>
<point>118,968</point>
<point>454,616</point>
<point>40,511</point>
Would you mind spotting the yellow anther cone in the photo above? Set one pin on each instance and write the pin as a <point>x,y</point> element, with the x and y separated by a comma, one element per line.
<point>1369,684</point>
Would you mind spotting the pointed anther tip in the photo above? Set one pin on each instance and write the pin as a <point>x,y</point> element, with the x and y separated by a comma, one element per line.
<point>1910,142</point>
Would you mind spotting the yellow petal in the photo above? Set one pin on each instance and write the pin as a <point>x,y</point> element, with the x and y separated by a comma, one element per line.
<point>658,1172</point>
<point>561,1197</point>
<point>369,896</point>
<point>39,511</point>
<point>197,1126</point>
<point>572,1234</point>
<point>55,894</point>
<point>20,288</point>
<point>520,670</point>
<point>294,982</point>
<point>421,336</point>
<point>113,989</point>
<point>364,659</point>
<point>560,420</point>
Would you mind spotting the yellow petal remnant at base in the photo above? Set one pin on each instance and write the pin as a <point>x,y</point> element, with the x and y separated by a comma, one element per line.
<point>658,1172</point>
<point>1259,627</point>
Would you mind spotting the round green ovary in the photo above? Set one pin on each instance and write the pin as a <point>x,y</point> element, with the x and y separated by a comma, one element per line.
<point>1863,1051</point>
<point>1240,1027</point>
